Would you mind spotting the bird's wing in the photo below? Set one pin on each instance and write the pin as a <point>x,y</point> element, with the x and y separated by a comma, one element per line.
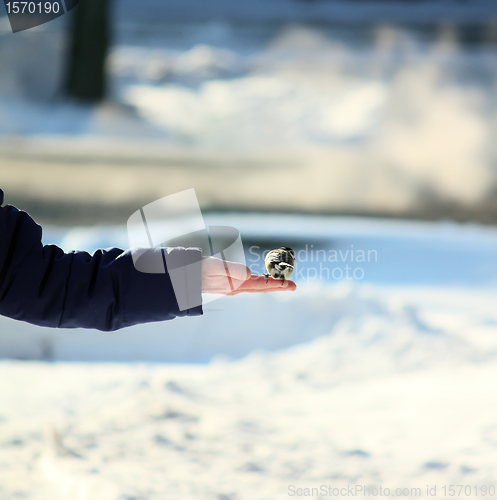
<point>271,257</point>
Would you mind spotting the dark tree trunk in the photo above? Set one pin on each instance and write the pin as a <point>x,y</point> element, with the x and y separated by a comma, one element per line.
<point>89,41</point>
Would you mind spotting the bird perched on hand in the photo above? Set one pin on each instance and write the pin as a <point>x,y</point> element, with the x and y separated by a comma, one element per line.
<point>280,263</point>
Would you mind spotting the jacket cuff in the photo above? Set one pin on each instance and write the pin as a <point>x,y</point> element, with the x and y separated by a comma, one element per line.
<point>160,294</point>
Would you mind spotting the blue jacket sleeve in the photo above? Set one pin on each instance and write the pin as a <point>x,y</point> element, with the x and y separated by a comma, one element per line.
<point>47,287</point>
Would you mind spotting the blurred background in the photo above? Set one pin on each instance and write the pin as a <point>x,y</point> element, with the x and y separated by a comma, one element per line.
<point>360,133</point>
<point>370,108</point>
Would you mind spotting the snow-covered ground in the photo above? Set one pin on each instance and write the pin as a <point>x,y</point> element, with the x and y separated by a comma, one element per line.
<point>386,381</point>
<point>399,393</point>
<point>243,430</point>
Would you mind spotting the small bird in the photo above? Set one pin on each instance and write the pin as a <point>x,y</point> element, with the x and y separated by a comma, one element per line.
<point>280,263</point>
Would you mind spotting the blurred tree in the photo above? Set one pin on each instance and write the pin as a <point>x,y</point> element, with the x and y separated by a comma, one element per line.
<point>88,45</point>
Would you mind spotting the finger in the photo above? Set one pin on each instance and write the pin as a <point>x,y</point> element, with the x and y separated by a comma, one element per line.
<point>221,284</point>
<point>265,282</point>
<point>261,290</point>
<point>238,271</point>
<point>213,266</point>
<point>258,284</point>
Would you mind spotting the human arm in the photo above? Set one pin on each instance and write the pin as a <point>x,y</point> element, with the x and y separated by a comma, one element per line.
<point>43,285</point>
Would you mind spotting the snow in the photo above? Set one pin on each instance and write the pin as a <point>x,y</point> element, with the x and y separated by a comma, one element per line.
<point>398,398</point>
<point>386,381</point>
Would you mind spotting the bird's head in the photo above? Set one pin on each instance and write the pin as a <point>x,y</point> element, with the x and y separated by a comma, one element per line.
<point>289,250</point>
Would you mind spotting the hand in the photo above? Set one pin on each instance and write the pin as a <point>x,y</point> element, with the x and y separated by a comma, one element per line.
<point>231,278</point>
